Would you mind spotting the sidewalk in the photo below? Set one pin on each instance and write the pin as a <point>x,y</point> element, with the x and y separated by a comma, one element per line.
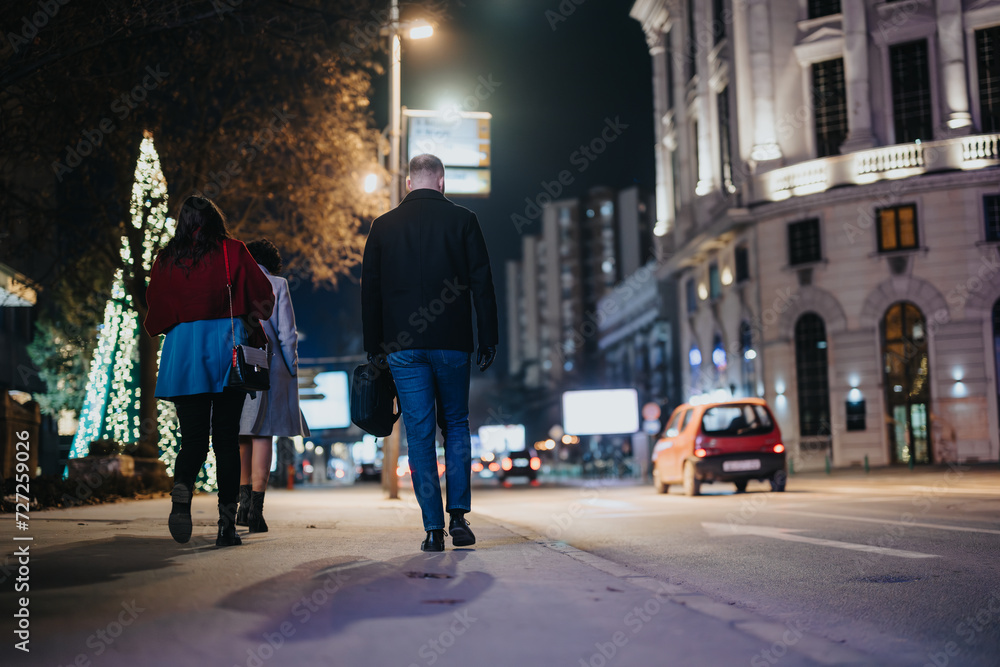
<point>339,580</point>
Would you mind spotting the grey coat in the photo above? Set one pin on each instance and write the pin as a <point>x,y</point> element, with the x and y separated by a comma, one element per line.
<point>276,412</point>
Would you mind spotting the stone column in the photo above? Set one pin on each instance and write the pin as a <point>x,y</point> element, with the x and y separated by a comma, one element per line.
<point>856,74</point>
<point>765,143</point>
<point>656,39</point>
<point>951,64</point>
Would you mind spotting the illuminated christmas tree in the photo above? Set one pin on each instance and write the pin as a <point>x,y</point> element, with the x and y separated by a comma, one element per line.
<point>111,409</point>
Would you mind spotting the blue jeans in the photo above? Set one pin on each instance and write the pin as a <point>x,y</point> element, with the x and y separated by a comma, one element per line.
<point>422,378</point>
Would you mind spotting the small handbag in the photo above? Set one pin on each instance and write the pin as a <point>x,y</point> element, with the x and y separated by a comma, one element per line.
<point>250,368</point>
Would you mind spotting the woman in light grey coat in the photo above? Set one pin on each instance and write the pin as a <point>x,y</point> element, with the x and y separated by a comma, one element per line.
<point>274,412</point>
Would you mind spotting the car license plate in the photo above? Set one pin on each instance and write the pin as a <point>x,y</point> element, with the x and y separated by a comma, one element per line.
<point>520,463</point>
<point>741,464</point>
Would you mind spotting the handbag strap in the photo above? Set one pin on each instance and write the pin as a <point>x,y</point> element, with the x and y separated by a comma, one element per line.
<point>229,287</point>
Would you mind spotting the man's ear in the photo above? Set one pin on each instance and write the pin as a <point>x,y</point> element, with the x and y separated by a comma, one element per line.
<point>408,185</point>
<point>441,184</point>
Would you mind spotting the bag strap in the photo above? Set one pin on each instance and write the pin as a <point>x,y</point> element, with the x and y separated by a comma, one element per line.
<point>229,287</point>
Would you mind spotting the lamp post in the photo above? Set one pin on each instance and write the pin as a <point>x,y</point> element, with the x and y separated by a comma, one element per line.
<point>417,30</point>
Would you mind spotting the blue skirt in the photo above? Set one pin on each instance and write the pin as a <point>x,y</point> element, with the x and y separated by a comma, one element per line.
<point>196,357</point>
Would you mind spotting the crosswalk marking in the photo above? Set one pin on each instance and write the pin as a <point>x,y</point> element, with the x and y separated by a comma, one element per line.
<point>892,521</point>
<point>790,535</point>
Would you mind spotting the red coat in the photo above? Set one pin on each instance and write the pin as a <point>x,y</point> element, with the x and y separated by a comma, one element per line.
<point>174,296</point>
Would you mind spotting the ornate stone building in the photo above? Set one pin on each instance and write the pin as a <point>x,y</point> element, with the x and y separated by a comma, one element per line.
<point>829,199</point>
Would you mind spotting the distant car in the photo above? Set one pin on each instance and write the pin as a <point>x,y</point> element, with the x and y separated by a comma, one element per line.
<point>524,463</point>
<point>486,467</point>
<point>369,472</point>
<point>731,441</point>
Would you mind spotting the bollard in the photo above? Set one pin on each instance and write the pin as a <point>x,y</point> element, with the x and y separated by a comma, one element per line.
<point>911,462</point>
<point>291,477</point>
<point>827,458</point>
<point>791,467</point>
<point>867,469</point>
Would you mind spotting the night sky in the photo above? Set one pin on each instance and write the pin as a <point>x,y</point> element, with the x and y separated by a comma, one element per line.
<point>554,90</point>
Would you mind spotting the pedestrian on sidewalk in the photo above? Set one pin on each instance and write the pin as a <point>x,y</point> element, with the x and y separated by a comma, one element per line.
<point>274,412</point>
<point>425,265</point>
<point>189,301</point>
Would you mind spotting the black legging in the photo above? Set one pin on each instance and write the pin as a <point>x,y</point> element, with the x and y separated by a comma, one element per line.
<point>218,414</point>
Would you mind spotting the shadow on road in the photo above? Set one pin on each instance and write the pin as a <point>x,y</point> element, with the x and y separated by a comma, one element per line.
<point>320,598</point>
<point>100,561</point>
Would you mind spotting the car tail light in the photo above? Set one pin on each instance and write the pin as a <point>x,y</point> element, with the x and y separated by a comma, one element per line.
<point>536,463</point>
<point>440,469</point>
<point>778,448</point>
<point>477,467</point>
<point>700,453</point>
<point>507,464</point>
<point>339,473</point>
<point>494,466</point>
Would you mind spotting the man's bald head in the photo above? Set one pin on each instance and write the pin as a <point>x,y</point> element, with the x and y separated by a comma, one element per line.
<point>426,171</point>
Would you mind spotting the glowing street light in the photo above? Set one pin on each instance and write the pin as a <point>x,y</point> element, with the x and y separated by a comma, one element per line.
<point>421,30</point>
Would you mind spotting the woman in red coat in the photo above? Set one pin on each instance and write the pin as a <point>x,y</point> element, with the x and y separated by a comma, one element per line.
<point>189,301</point>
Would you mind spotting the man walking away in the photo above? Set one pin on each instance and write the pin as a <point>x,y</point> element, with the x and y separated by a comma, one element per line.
<point>425,265</point>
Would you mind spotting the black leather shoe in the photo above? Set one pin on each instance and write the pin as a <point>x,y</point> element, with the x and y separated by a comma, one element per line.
<point>227,536</point>
<point>461,534</point>
<point>179,521</point>
<point>434,540</point>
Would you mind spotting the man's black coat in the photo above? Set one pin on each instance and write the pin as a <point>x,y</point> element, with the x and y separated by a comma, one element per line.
<point>425,264</point>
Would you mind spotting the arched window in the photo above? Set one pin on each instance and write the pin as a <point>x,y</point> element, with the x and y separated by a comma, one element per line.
<point>811,376</point>
<point>907,382</point>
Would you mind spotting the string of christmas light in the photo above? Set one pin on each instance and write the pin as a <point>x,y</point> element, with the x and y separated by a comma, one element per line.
<point>111,407</point>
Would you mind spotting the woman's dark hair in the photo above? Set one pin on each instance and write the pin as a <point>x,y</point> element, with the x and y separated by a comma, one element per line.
<point>266,254</point>
<point>201,226</point>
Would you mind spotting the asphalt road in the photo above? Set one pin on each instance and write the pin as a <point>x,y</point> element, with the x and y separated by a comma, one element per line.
<point>904,568</point>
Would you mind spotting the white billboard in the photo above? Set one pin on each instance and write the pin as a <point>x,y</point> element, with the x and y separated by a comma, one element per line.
<point>601,412</point>
<point>461,139</point>
<point>502,438</point>
<point>328,404</point>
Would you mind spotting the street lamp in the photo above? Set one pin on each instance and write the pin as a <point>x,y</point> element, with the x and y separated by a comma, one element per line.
<point>416,30</point>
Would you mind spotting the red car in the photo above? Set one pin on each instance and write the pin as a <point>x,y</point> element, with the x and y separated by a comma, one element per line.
<point>732,441</point>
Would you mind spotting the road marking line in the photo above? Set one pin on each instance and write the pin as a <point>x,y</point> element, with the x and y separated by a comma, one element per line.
<point>892,521</point>
<point>911,490</point>
<point>789,535</point>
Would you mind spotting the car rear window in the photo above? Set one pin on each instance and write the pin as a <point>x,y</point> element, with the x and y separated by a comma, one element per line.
<point>736,420</point>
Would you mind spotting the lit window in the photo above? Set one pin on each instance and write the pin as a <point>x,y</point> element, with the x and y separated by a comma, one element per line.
<point>897,228</point>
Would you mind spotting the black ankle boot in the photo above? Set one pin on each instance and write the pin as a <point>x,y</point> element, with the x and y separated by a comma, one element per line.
<point>243,512</point>
<point>434,540</point>
<point>179,521</point>
<point>458,528</point>
<point>227,526</point>
<point>256,518</point>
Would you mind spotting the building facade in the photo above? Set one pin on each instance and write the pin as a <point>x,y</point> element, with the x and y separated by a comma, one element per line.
<point>828,192</point>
